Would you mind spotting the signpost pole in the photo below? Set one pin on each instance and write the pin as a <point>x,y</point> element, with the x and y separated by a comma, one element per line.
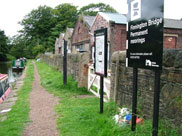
<point>101,94</point>
<point>65,63</point>
<point>156,103</point>
<point>134,99</point>
<point>100,65</point>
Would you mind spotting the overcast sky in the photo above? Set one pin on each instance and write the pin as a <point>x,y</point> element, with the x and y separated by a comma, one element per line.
<point>13,11</point>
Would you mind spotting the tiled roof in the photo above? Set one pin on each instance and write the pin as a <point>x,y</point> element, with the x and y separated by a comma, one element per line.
<point>116,17</point>
<point>172,23</point>
<point>89,20</point>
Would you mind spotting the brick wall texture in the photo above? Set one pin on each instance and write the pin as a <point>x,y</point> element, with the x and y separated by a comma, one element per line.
<point>116,33</point>
<point>81,33</point>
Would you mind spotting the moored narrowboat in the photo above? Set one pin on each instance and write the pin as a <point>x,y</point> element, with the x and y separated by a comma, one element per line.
<point>5,87</point>
<point>18,65</point>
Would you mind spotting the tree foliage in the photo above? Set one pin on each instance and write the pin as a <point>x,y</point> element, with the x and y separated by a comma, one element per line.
<point>65,16</point>
<point>3,46</point>
<point>41,26</point>
<point>18,46</point>
<point>92,9</point>
<point>37,26</point>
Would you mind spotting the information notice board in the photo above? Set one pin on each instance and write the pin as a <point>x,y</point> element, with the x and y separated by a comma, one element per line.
<point>100,38</point>
<point>145,34</point>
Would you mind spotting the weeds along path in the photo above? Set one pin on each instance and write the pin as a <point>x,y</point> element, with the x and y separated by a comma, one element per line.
<point>42,115</point>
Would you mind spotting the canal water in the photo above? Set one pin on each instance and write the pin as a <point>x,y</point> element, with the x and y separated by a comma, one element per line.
<point>6,68</point>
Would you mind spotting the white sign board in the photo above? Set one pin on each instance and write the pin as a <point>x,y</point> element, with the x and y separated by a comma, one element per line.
<point>101,52</point>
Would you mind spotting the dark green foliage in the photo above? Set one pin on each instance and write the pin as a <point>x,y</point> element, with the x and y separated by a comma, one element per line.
<point>37,27</point>
<point>66,16</point>
<point>3,46</point>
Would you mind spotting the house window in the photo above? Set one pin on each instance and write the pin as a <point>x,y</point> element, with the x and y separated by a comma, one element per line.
<point>80,47</point>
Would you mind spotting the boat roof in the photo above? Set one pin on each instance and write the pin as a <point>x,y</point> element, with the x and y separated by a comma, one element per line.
<point>3,76</point>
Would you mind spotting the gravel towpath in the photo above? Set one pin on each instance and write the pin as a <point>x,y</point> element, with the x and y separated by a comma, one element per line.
<point>42,115</point>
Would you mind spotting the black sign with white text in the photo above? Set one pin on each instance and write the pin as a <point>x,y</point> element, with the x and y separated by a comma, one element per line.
<point>145,34</point>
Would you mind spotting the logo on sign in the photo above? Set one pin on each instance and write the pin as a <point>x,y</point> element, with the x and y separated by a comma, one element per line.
<point>150,63</point>
<point>135,9</point>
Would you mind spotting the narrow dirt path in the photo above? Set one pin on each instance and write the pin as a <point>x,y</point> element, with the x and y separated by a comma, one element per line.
<point>42,112</point>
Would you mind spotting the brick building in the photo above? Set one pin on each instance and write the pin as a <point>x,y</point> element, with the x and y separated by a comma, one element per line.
<point>68,37</point>
<point>81,34</point>
<point>59,44</point>
<point>172,33</point>
<point>116,26</point>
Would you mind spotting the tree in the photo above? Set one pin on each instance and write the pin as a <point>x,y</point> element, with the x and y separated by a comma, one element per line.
<point>37,26</point>
<point>92,9</point>
<point>65,16</point>
<point>38,50</point>
<point>3,46</point>
<point>41,26</point>
<point>18,46</point>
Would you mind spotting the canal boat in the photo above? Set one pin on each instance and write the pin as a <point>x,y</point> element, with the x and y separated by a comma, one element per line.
<point>18,65</point>
<point>5,87</point>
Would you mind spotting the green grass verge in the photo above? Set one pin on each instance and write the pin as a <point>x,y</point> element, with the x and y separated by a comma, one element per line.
<point>80,116</point>
<point>19,114</point>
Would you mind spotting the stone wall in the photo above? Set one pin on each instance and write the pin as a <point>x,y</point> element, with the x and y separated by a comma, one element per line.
<point>171,86</point>
<point>77,65</point>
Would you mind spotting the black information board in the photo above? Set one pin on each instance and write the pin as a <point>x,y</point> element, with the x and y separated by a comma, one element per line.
<point>100,41</point>
<point>145,34</point>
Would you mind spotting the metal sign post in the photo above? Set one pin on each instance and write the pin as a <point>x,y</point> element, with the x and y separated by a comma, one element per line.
<point>65,63</point>
<point>100,61</point>
<point>145,47</point>
<point>156,103</point>
<point>134,99</point>
<point>101,94</point>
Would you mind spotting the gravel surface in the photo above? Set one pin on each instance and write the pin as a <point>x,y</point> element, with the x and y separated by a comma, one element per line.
<point>42,112</point>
